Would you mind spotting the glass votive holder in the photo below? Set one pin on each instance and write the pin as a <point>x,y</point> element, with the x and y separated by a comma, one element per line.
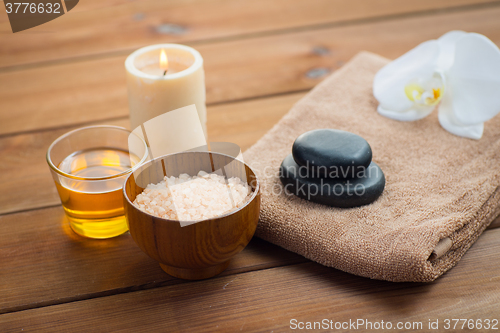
<point>89,166</point>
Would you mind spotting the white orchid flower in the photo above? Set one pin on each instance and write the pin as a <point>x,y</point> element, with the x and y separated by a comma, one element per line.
<point>459,71</point>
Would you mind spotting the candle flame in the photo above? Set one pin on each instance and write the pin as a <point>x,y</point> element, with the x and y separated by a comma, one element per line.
<point>163,60</point>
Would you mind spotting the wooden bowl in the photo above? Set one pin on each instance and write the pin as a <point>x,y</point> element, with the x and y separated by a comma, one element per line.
<point>203,249</point>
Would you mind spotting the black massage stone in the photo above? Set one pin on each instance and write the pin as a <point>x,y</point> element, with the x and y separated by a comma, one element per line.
<point>332,153</point>
<point>337,192</point>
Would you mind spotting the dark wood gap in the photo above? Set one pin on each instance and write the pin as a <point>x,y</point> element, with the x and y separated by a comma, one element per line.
<point>29,209</point>
<point>55,128</point>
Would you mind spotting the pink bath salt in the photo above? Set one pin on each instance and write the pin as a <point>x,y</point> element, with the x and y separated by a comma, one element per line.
<point>200,197</point>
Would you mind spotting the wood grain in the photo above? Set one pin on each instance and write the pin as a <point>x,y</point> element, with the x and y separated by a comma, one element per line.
<point>65,94</point>
<point>97,27</point>
<point>70,72</point>
<point>23,164</point>
<point>44,262</point>
<point>269,299</point>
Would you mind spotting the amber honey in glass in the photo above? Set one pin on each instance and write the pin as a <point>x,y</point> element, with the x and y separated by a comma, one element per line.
<point>89,181</point>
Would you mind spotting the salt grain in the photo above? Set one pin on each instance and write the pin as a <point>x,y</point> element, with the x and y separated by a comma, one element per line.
<point>200,197</point>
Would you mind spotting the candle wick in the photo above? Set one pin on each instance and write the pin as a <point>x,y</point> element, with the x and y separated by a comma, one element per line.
<point>165,72</point>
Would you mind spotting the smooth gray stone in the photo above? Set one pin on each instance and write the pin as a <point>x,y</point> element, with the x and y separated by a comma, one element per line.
<point>330,152</point>
<point>343,193</point>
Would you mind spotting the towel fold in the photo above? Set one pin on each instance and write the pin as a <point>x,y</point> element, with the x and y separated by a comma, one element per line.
<point>441,190</point>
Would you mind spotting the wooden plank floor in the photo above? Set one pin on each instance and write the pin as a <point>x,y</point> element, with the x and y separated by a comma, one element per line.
<point>267,300</point>
<point>260,58</point>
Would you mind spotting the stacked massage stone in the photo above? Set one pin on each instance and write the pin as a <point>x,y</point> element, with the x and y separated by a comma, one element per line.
<point>332,167</point>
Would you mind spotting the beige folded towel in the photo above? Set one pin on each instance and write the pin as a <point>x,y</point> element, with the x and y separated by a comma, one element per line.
<point>441,190</point>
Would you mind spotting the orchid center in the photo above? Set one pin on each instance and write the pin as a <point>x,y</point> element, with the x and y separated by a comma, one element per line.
<point>428,93</point>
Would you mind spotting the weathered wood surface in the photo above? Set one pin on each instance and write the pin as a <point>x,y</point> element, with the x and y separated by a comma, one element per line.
<point>268,300</point>
<point>260,58</point>
<point>94,28</point>
<point>95,89</point>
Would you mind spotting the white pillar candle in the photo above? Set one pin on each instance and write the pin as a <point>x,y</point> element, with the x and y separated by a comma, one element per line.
<point>152,92</point>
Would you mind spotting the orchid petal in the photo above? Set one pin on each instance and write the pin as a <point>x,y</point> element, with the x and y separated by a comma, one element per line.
<point>474,80</point>
<point>408,115</point>
<point>450,123</point>
<point>447,53</point>
<point>389,82</point>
